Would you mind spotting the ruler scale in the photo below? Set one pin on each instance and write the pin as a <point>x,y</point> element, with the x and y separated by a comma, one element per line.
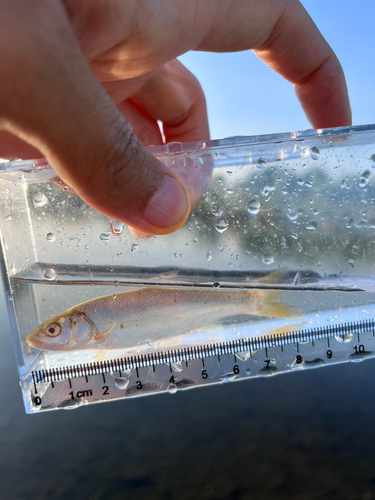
<point>185,368</point>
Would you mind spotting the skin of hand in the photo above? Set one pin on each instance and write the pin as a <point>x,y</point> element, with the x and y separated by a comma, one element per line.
<point>83,83</point>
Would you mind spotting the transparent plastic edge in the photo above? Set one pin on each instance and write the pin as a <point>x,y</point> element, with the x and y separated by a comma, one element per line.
<point>13,326</point>
<point>175,148</point>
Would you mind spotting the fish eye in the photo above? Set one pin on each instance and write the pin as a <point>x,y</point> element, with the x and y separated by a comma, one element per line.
<point>52,330</point>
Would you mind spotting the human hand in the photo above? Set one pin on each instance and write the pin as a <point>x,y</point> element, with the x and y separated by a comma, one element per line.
<point>77,74</point>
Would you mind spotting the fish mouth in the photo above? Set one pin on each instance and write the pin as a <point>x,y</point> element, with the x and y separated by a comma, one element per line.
<point>33,342</point>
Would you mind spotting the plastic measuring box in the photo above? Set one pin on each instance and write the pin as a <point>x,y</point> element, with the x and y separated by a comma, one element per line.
<point>287,220</point>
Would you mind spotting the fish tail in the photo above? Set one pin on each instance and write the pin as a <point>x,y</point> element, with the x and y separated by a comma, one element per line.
<point>273,308</point>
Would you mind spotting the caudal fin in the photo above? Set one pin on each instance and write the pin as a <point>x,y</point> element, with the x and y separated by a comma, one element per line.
<point>273,308</point>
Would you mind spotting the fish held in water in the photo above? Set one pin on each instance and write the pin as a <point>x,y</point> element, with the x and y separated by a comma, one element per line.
<point>136,317</point>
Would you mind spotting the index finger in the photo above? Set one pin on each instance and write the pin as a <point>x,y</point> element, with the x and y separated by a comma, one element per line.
<point>298,52</point>
<point>283,35</point>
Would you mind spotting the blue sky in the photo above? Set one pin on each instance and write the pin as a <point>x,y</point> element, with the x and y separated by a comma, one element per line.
<point>245,97</point>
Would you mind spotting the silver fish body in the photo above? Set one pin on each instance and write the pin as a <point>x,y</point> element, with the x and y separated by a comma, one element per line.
<point>136,317</point>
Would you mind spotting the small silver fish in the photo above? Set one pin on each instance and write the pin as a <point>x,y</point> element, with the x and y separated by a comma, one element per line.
<point>135,317</point>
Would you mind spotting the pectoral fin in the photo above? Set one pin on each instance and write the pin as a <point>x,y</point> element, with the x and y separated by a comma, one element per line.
<point>102,335</point>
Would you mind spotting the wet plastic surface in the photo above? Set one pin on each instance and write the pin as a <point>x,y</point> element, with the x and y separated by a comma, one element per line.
<point>290,213</point>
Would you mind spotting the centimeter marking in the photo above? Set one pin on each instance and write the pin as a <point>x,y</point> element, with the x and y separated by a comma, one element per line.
<point>203,351</point>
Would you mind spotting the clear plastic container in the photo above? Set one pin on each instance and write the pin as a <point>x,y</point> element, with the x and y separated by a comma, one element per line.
<point>288,213</point>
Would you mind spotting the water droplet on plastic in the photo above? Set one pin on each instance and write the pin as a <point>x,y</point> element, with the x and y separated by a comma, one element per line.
<point>314,153</point>
<point>228,377</point>
<point>216,284</point>
<point>177,366</point>
<point>349,223</point>
<point>243,356</point>
<point>261,163</point>
<point>253,207</point>
<point>50,274</point>
<point>266,190</point>
<point>10,297</point>
<point>268,259</point>
<point>50,237</point>
<point>300,182</point>
<point>221,226</point>
<point>104,237</point>
<point>248,371</point>
<point>209,255</point>
<point>134,247</point>
<point>8,218</point>
<point>364,179</point>
<point>172,388</point>
<point>116,227</point>
<point>293,215</point>
<point>39,200</point>
<point>345,338</point>
<point>121,383</point>
<point>297,365</point>
<point>312,224</point>
<point>351,262</point>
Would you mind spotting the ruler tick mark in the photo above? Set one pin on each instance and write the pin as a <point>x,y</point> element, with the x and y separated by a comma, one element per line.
<point>35,390</point>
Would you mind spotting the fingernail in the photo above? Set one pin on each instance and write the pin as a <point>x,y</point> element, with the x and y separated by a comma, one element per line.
<point>169,207</point>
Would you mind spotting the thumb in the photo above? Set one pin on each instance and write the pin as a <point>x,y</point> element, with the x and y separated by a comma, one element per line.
<point>59,107</point>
